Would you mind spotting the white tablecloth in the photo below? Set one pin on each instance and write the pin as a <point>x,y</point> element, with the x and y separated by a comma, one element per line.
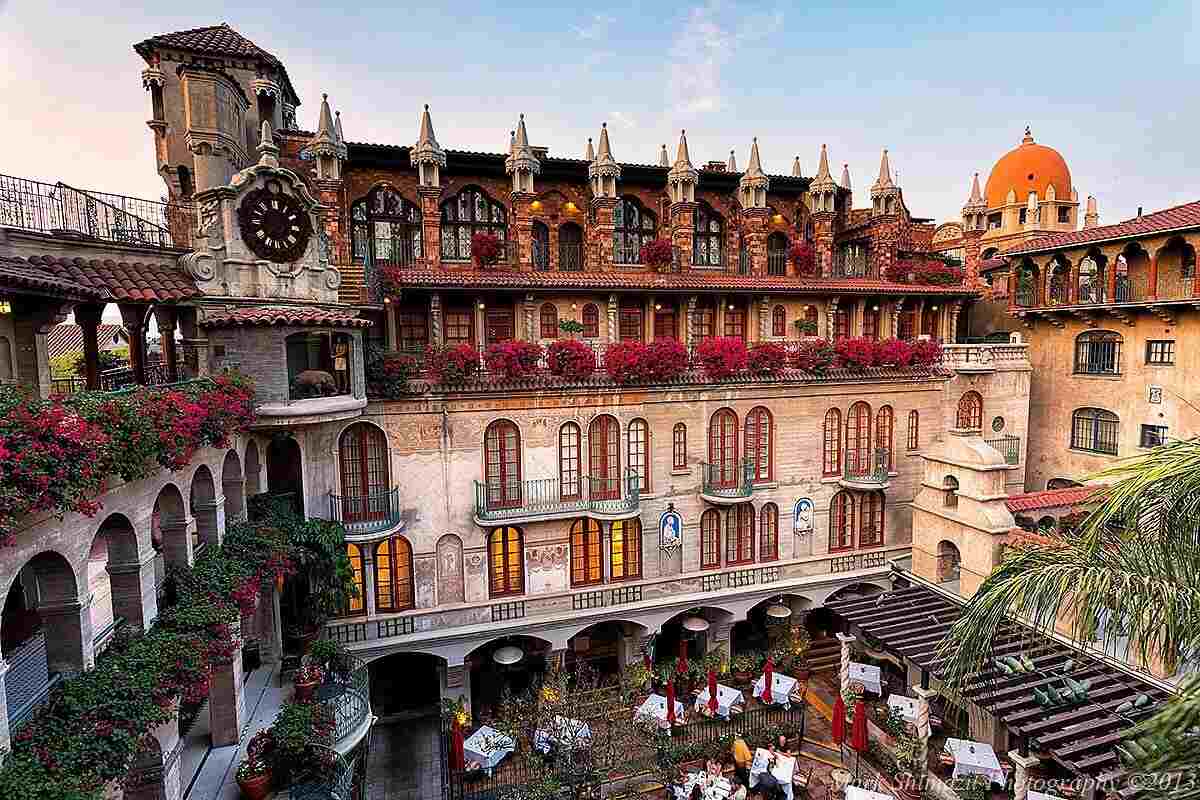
<point>727,698</point>
<point>907,707</point>
<point>781,688</point>
<point>859,793</point>
<point>569,732</point>
<point>488,747</point>
<point>655,708</point>
<point>975,758</point>
<point>1042,796</point>
<point>711,788</point>
<point>867,675</point>
<point>785,767</point>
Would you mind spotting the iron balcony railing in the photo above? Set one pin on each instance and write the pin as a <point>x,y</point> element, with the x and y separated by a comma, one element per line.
<point>329,776</point>
<point>541,256</point>
<point>777,262</point>
<point>851,266</point>
<point>570,257</point>
<point>57,208</point>
<point>120,379</point>
<point>732,479</point>
<point>550,496</point>
<point>871,467</point>
<point>1026,297</point>
<point>366,513</point>
<point>1124,291</point>
<point>1088,293</point>
<point>1009,446</point>
<point>346,693</point>
<point>397,251</point>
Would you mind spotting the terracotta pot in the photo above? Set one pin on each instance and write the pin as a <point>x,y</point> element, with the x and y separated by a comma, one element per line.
<point>256,788</point>
<point>741,677</point>
<point>304,691</point>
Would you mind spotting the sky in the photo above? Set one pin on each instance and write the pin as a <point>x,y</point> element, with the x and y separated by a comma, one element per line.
<point>946,87</point>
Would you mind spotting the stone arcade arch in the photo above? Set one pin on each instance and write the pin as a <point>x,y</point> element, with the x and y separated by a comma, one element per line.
<point>490,680</point>
<point>176,527</point>
<point>285,471</point>
<point>253,470</point>
<point>233,486</point>
<point>207,508</point>
<point>131,573</point>
<point>44,601</point>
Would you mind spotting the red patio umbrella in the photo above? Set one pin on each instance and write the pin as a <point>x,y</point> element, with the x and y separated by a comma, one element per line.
<point>671,702</point>
<point>456,746</point>
<point>839,722</point>
<point>768,680</point>
<point>681,666</point>
<point>858,733</point>
<point>712,691</point>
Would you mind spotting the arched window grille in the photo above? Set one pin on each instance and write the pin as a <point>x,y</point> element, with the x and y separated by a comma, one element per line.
<point>1095,430</point>
<point>1098,353</point>
<point>871,524</point>
<point>387,227</point>
<point>569,481</point>
<point>970,412</point>
<point>858,439</point>
<point>548,317</point>
<point>914,430</point>
<point>467,213</point>
<point>633,228</point>
<point>363,457</point>
<point>708,237</point>
<point>885,422</point>
<point>591,321</point>
<point>639,453</point>
<point>723,447</point>
<point>841,521</point>
<point>679,446</point>
<point>739,534</point>
<point>778,321</point>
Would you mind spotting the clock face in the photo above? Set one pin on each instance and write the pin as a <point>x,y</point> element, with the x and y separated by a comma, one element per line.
<point>275,226</point>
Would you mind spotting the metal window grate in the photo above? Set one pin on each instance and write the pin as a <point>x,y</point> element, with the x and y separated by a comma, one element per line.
<point>626,594</point>
<point>1153,435</point>
<point>1160,351</point>
<point>587,600</point>
<point>502,612</point>
<point>394,627</point>
<point>348,633</point>
<point>1098,353</point>
<point>1095,430</point>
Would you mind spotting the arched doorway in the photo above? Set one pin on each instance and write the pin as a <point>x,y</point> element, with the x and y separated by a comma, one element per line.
<point>233,484</point>
<point>570,248</point>
<point>41,629</point>
<point>758,631</point>
<point>405,685</point>
<point>494,675</point>
<point>948,564</point>
<point>679,634</point>
<point>253,470</point>
<point>203,505</point>
<point>597,653</point>
<point>285,472</point>
<point>171,525</point>
<point>131,584</point>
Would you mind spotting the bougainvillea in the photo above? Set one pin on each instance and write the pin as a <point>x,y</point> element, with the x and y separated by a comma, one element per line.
<point>804,258</point>
<point>813,355</point>
<point>486,249</point>
<point>513,359</point>
<point>893,353</point>
<point>452,364</point>
<point>767,358</point>
<point>570,358</point>
<point>722,356</point>
<point>657,254</point>
<point>388,374</point>
<point>855,352</point>
<point>634,362</point>
<point>926,352</point>
<point>925,272</point>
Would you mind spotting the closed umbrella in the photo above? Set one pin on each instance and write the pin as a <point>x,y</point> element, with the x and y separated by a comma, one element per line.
<point>858,733</point>
<point>712,691</point>
<point>671,702</point>
<point>456,746</point>
<point>682,665</point>
<point>768,679</point>
<point>839,723</point>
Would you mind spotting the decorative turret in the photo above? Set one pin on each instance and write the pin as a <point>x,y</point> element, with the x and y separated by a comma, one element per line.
<point>885,194</point>
<point>975,211</point>
<point>683,177</point>
<point>427,155</point>
<point>732,165</point>
<point>845,183</point>
<point>1092,218</point>
<point>663,160</point>
<point>1031,211</point>
<point>589,155</point>
<point>604,171</point>
<point>796,168</point>
<point>343,150</point>
<point>752,188</point>
<point>823,190</point>
<point>522,164</point>
<point>324,146</point>
<point>268,151</point>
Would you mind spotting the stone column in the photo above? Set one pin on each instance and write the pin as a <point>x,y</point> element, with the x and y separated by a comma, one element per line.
<point>270,642</point>
<point>764,318</point>
<point>164,317</point>
<point>435,319</point>
<point>210,520</point>
<point>155,772</point>
<point>522,216</point>
<point>683,230</point>
<point>600,234</point>
<point>458,684</point>
<point>431,225</point>
<point>844,668</point>
<point>721,637</point>
<point>133,316</point>
<point>177,540</point>
<point>226,703</point>
<point>830,318</point>
<point>234,490</point>
<point>1152,289</point>
<point>689,322</point>
<point>368,581</point>
<point>69,647</point>
<point>1022,766</point>
<point>480,311</point>
<point>134,595</point>
<point>923,724</point>
<point>754,231</point>
<point>611,311</point>
<point>527,317</point>
<point>88,317</point>
<point>5,735</point>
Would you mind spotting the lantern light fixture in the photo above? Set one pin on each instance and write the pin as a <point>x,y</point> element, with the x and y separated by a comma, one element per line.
<point>695,624</point>
<point>508,655</point>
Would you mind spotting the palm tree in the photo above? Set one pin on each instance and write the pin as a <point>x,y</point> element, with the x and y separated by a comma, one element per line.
<point>1129,573</point>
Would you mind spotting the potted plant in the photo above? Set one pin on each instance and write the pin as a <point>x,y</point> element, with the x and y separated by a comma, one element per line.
<point>254,778</point>
<point>745,666</point>
<point>308,677</point>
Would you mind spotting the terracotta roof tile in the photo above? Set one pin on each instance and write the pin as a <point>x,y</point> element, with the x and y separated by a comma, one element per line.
<point>120,280</point>
<point>19,275</point>
<point>1184,216</point>
<point>1052,498</point>
<point>285,315</point>
<point>66,339</point>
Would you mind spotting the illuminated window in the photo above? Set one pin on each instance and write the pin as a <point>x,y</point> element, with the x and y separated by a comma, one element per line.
<point>357,604</point>
<point>586,565</point>
<point>768,533</point>
<point>506,562</point>
<point>393,575</point>
<point>626,544</point>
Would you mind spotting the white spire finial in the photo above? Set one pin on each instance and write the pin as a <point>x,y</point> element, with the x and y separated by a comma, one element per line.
<point>681,154</point>
<point>589,154</point>
<point>796,168</point>
<point>427,155</point>
<point>663,161</point>
<point>732,165</point>
<point>884,181</point>
<point>846,177</point>
<point>268,151</point>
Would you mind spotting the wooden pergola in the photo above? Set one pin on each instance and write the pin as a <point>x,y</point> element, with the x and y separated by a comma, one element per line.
<point>911,622</point>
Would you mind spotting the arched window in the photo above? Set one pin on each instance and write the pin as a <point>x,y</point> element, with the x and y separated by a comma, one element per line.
<point>387,227</point>
<point>758,443</point>
<point>570,248</point>
<point>1095,430</point>
<point>549,321</point>
<point>506,562</point>
<point>841,323</point>
<point>569,484</point>
<point>639,449</point>
<point>841,522</point>
<point>591,321</point>
<point>914,430</point>
<point>970,412</point>
<point>604,458</point>
<point>870,532</point>
<point>739,534</point>
<point>885,421</point>
<point>778,321</point>
<point>735,323</point>
<point>723,448</point>
<point>541,246</point>
<point>363,457</point>
<point>393,575</point>
<point>502,464</point>
<point>950,489</point>
<point>777,247</point>
<point>467,213</point>
<point>907,329</point>
<point>929,323</point>
<point>708,237</point>
<point>679,446</point>
<point>768,533</point>
<point>357,604</point>
<point>1090,287</point>
<point>1098,353</point>
<point>710,539</point>
<point>704,321</point>
<point>858,439</point>
<point>871,322</point>
<point>587,566</point>
<point>626,549</point>
<point>633,227</point>
<point>831,461</point>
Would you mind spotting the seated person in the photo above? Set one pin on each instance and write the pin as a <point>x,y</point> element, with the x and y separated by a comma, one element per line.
<point>781,746</point>
<point>713,768</point>
<point>739,789</point>
<point>697,793</point>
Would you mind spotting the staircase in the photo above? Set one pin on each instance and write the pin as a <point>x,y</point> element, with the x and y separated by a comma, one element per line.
<point>824,654</point>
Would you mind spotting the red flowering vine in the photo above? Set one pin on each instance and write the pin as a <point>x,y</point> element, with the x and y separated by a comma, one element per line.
<point>657,254</point>
<point>513,359</point>
<point>486,248</point>
<point>767,358</point>
<point>722,356</point>
<point>570,358</point>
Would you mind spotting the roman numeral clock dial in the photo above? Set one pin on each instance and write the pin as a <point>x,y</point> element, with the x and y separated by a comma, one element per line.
<point>274,225</point>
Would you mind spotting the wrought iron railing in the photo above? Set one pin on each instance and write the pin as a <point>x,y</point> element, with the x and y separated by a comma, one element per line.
<point>743,261</point>
<point>1059,292</point>
<point>541,255</point>
<point>1026,296</point>
<point>570,257</point>
<point>1009,446</point>
<point>852,266</point>
<point>366,513</point>
<point>346,693</point>
<point>396,251</point>
<point>57,208</point>
<point>1090,293</point>
<point>120,378</point>
<point>547,496</point>
<point>777,262</point>
<point>335,781</point>
<point>871,467</point>
<point>1124,291</point>
<point>727,479</point>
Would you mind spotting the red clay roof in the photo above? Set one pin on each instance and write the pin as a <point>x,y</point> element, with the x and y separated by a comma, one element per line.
<point>66,339</point>
<point>1169,219</point>
<point>690,281</point>
<point>285,315</point>
<point>18,275</point>
<point>1051,498</point>
<point>120,280</point>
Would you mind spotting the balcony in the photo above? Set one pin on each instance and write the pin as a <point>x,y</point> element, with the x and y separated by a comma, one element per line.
<point>570,257</point>
<point>111,380</point>
<point>333,779</point>
<point>347,695</point>
<point>851,266</point>
<point>984,357</point>
<point>727,483</point>
<point>1009,447</point>
<point>543,499</point>
<point>869,473</point>
<point>366,514</point>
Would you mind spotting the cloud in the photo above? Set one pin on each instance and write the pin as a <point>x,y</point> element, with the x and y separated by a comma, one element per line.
<point>596,28</point>
<point>710,38</point>
<point>623,119</point>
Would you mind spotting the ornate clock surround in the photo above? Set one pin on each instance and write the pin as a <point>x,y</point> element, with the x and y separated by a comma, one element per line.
<point>274,225</point>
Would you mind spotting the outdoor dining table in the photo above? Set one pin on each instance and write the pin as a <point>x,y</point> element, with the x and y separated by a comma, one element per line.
<point>975,758</point>
<point>868,675</point>
<point>564,731</point>
<point>859,793</point>
<point>1042,796</point>
<point>655,708</point>
<point>487,747</point>
<point>727,698</point>
<point>711,788</point>
<point>785,767</point>
<point>907,706</point>
<point>782,687</point>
